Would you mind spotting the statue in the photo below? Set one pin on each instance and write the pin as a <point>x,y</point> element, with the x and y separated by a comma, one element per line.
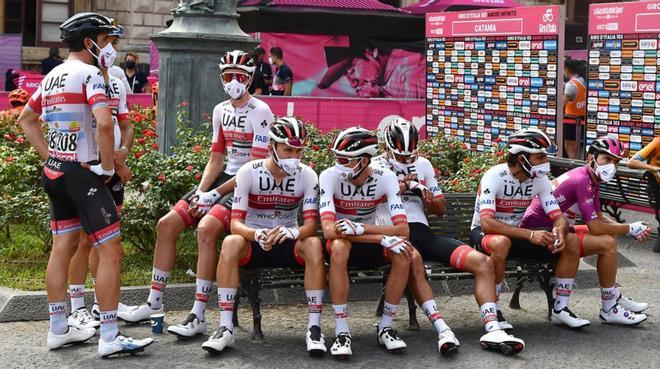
<point>192,6</point>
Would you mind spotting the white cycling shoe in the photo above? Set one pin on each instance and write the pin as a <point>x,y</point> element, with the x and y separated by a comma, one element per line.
<point>501,341</point>
<point>72,336</point>
<point>220,340</point>
<point>621,315</point>
<point>566,317</point>
<point>634,306</point>
<point>389,338</point>
<point>82,319</point>
<point>341,348</point>
<point>189,327</point>
<point>137,314</point>
<point>315,341</point>
<point>123,345</point>
<point>447,343</point>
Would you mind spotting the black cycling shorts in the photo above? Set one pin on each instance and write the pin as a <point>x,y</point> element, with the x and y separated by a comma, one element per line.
<point>570,131</point>
<point>79,199</point>
<point>437,248</point>
<point>283,255</point>
<point>520,249</point>
<point>364,255</point>
<point>183,206</point>
<point>116,188</point>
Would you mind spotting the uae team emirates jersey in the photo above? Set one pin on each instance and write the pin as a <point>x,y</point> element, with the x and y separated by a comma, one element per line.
<point>116,93</point>
<point>65,99</point>
<point>341,199</point>
<point>241,132</point>
<point>264,203</point>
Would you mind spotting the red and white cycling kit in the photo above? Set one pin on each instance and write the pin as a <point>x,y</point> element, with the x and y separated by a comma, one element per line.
<point>263,203</point>
<point>116,93</point>
<point>241,131</point>
<point>504,197</point>
<point>65,99</point>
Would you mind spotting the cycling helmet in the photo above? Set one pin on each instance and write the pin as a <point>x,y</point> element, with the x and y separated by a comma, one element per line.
<point>355,142</point>
<point>401,137</point>
<point>86,24</point>
<point>119,32</point>
<point>530,141</point>
<point>237,59</point>
<point>19,95</point>
<point>607,145</point>
<point>289,131</point>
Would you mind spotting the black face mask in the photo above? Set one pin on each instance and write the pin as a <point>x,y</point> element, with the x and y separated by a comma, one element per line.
<point>130,64</point>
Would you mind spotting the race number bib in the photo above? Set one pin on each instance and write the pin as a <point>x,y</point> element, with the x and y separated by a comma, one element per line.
<point>63,145</point>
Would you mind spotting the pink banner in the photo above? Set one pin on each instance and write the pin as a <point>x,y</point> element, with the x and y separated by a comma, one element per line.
<point>528,21</point>
<point>620,18</point>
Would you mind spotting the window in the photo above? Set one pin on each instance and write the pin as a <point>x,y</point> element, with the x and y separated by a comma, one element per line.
<point>50,14</point>
<point>19,18</point>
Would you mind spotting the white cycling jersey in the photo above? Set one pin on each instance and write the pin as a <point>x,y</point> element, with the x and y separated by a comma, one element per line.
<point>341,199</point>
<point>241,132</point>
<point>262,203</point>
<point>65,99</point>
<point>118,106</point>
<point>502,196</point>
<point>413,204</point>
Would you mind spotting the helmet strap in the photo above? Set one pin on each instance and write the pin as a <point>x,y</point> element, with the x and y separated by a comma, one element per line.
<point>526,165</point>
<point>362,169</point>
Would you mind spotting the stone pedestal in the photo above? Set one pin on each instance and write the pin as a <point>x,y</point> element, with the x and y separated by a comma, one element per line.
<point>190,50</point>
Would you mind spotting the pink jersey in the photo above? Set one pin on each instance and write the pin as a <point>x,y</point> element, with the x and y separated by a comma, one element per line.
<point>573,189</point>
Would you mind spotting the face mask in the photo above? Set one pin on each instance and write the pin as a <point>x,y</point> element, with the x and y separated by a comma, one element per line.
<point>270,60</point>
<point>107,55</point>
<point>540,170</point>
<point>235,89</point>
<point>344,171</point>
<point>290,165</point>
<point>605,172</point>
<point>398,166</point>
<point>130,65</point>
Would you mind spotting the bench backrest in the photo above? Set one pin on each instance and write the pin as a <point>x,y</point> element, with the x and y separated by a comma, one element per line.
<point>456,223</point>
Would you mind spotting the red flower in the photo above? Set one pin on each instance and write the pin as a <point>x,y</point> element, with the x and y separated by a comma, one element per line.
<point>197,148</point>
<point>141,140</point>
<point>161,177</point>
<point>463,146</point>
<point>467,160</point>
<point>137,117</point>
<point>149,133</point>
<point>154,146</point>
<point>20,140</point>
<point>189,168</point>
<point>500,153</point>
<point>9,159</point>
<point>316,148</point>
<point>7,136</point>
<point>311,165</point>
<point>497,140</point>
<point>451,146</point>
<point>139,154</point>
<point>198,177</point>
<point>184,103</point>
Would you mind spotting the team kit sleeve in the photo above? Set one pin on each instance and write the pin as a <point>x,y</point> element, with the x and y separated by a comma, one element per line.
<point>547,199</point>
<point>260,127</point>
<point>122,109</point>
<point>394,204</point>
<point>327,205</point>
<point>488,188</point>
<point>239,205</point>
<point>218,140</point>
<point>311,195</point>
<point>94,87</point>
<point>431,182</point>
<point>34,103</point>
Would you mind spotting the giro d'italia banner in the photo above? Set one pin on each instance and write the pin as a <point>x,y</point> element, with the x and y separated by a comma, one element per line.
<point>492,72</point>
<point>623,98</point>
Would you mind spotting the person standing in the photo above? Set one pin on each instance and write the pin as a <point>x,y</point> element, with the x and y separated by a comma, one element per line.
<point>53,60</point>
<point>264,69</point>
<point>136,79</point>
<point>283,81</point>
<point>575,104</point>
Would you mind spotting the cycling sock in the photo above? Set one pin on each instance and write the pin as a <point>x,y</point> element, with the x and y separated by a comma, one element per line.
<point>608,297</point>
<point>94,286</point>
<point>202,292</point>
<point>389,312</point>
<point>489,316</point>
<point>431,310</point>
<point>57,316</point>
<point>314,307</point>
<point>226,298</point>
<point>563,292</point>
<point>77,293</point>
<point>109,327</point>
<point>341,318</point>
<point>158,283</point>
<point>498,288</point>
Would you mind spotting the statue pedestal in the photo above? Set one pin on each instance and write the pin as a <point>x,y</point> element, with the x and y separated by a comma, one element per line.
<point>190,50</point>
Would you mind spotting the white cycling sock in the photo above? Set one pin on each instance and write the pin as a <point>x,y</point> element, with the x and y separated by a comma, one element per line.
<point>314,307</point>
<point>109,327</point>
<point>389,312</point>
<point>563,292</point>
<point>489,316</point>
<point>202,292</point>
<point>158,283</point>
<point>77,293</point>
<point>433,314</point>
<point>608,297</point>
<point>341,318</point>
<point>57,316</point>
<point>226,299</point>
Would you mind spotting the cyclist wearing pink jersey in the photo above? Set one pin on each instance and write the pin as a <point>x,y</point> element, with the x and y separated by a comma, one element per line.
<point>72,100</point>
<point>240,132</point>
<point>269,196</point>
<point>577,193</point>
<point>505,192</point>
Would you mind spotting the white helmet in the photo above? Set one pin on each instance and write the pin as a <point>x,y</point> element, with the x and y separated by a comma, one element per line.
<point>530,141</point>
<point>237,59</point>
<point>355,142</point>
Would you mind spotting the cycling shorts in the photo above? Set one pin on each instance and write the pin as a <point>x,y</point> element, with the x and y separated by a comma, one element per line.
<point>79,199</point>
<point>182,207</point>
<point>520,249</point>
<point>116,188</point>
<point>438,248</point>
<point>283,255</point>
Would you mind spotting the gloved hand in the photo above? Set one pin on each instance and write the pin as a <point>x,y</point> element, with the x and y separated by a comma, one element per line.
<point>261,236</point>
<point>417,188</point>
<point>99,171</point>
<point>394,243</point>
<point>350,228</point>
<point>206,200</point>
<point>637,229</point>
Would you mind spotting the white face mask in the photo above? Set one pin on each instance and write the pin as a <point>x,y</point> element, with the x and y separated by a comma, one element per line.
<point>290,165</point>
<point>106,56</point>
<point>605,172</point>
<point>235,89</point>
<point>540,170</point>
<point>344,171</point>
<point>270,60</point>
<point>398,166</point>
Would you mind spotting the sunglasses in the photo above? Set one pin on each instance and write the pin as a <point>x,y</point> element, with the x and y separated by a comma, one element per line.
<point>240,77</point>
<point>342,160</point>
<point>408,159</point>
